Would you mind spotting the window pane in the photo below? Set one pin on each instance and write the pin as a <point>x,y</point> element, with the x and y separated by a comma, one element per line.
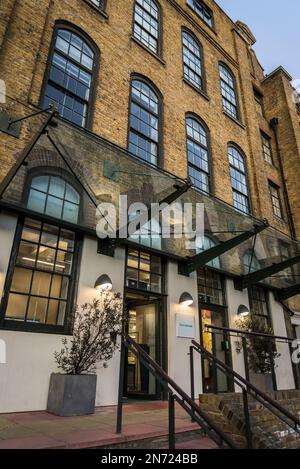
<point>63,262</point>
<point>57,187</point>
<point>41,284</point>
<point>59,287</point>
<point>31,230</point>
<point>16,308</point>
<point>46,258</point>
<point>40,183</point>
<point>70,212</point>
<point>53,309</point>
<point>132,278</point>
<point>61,313</point>
<point>27,254</point>
<point>36,201</point>
<point>49,236</point>
<point>66,240</point>
<point>21,280</point>
<point>37,309</point>
<point>54,207</point>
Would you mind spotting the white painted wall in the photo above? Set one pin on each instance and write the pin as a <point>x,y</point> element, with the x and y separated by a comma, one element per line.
<point>178,348</point>
<point>8,225</point>
<point>24,379</point>
<point>284,371</point>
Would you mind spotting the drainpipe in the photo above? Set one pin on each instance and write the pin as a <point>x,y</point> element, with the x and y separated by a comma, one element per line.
<point>274,125</point>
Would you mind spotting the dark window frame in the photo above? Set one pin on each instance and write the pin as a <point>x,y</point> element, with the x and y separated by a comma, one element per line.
<point>255,294</point>
<point>203,88</point>
<point>9,324</point>
<point>63,24</point>
<point>265,137</point>
<point>190,115</point>
<point>162,274</point>
<point>209,274</point>
<point>207,9</point>
<point>245,173</point>
<point>159,52</point>
<point>277,209</point>
<point>236,118</point>
<point>148,82</point>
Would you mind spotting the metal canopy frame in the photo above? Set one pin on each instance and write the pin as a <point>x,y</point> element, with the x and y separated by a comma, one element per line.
<point>255,277</point>
<point>286,293</point>
<point>201,259</point>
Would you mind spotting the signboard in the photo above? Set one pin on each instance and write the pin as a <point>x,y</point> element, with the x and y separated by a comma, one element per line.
<point>185,326</point>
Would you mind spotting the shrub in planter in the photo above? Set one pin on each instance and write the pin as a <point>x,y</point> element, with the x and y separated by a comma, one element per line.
<point>94,341</point>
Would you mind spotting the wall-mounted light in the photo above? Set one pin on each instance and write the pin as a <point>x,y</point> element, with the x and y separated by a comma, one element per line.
<point>103,283</point>
<point>186,299</point>
<point>243,311</point>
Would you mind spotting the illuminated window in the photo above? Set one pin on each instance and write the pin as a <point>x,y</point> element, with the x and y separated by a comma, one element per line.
<point>143,271</point>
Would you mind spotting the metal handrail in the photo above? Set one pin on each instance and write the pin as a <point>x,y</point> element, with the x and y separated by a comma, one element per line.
<point>175,393</point>
<point>247,389</point>
<point>249,333</point>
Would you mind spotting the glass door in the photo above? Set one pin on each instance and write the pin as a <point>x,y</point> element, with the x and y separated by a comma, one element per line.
<point>214,381</point>
<point>143,328</point>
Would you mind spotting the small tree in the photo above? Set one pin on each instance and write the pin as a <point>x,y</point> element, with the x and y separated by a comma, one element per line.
<point>261,350</point>
<point>95,329</point>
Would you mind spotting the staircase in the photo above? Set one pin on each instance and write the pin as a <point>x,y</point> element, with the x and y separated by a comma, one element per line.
<point>267,429</point>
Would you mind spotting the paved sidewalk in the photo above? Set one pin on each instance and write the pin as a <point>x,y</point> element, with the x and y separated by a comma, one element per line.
<point>140,421</point>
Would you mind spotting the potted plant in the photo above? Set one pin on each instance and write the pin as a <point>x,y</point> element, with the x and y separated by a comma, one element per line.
<point>261,352</point>
<point>94,341</point>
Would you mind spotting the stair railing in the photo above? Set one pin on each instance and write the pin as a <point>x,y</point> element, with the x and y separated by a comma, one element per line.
<point>175,394</point>
<point>248,390</point>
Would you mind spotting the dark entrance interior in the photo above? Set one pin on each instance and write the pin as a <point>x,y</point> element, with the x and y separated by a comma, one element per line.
<point>145,326</point>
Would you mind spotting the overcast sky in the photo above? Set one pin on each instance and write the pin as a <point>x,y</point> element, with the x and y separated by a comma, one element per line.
<point>276,26</point>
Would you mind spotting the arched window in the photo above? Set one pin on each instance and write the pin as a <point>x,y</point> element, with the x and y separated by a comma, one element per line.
<point>53,196</point>
<point>228,90</point>
<point>146,24</point>
<point>192,60</point>
<point>198,154</point>
<point>205,243</point>
<point>238,180</point>
<point>70,76</point>
<point>250,259</point>
<point>149,235</point>
<point>144,122</point>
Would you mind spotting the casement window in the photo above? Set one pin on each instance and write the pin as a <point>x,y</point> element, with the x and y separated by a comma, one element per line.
<point>210,287</point>
<point>259,100</point>
<point>267,148</point>
<point>144,122</point>
<point>144,271</point>
<point>239,182</point>
<point>228,91</point>
<point>40,281</point>
<point>146,24</point>
<point>70,76</point>
<point>198,154</point>
<point>192,60</point>
<point>202,10</point>
<point>275,198</point>
<point>203,244</point>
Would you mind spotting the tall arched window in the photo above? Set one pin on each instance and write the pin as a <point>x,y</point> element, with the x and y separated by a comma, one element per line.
<point>238,180</point>
<point>43,266</point>
<point>205,243</point>
<point>144,122</point>
<point>198,154</point>
<point>70,76</point>
<point>146,24</point>
<point>53,196</point>
<point>192,60</point>
<point>228,90</point>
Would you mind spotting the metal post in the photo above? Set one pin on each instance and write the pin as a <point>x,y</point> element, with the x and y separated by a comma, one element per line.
<point>171,421</point>
<point>214,367</point>
<point>246,363</point>
<point>121,389</point>
<point>247,419</point>
<point>192,377</point>
<point>272,363</point>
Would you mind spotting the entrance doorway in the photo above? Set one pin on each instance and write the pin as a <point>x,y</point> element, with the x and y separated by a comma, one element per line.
<point>214,381</point>
<point>145,326</point>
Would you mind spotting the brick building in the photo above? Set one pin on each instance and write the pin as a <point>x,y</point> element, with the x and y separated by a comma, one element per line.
<point>149,93</point>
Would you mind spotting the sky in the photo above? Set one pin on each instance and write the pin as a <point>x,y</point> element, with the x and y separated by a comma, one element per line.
<point>276,26</point>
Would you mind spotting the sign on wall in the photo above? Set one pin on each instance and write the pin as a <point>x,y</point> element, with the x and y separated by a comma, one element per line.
<point>185,326</point>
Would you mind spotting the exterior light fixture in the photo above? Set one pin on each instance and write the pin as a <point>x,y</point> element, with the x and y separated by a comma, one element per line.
<point>103,283</point>
<point>243,311</point>
<point>186,299</point>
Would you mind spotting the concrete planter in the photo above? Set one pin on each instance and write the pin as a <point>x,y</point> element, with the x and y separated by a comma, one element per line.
<point>71,395</point>
<point>263,381</point>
